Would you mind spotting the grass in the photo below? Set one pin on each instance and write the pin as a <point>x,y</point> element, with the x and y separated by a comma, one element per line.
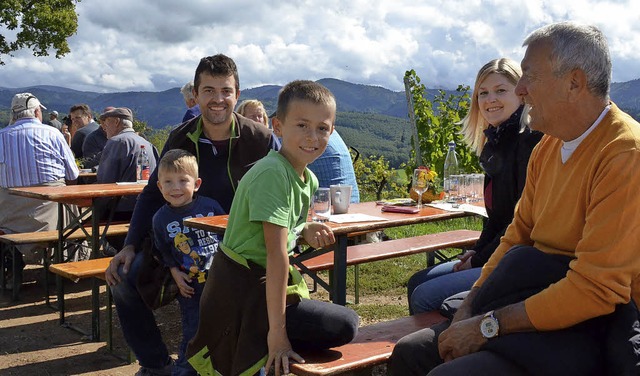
<point>383,284</point>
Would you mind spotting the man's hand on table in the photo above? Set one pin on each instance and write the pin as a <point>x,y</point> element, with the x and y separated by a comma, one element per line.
<point>125,256</point>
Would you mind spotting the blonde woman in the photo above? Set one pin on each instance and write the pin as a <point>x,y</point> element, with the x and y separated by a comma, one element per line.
<point>495,129</point>
<point>254,109</point>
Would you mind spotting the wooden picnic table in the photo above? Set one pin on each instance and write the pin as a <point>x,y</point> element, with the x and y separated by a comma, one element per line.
<point>218,224</point>
<point>84,196</point>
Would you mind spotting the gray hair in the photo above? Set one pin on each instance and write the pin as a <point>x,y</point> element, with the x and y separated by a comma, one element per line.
<point>28,113</point>
<point>127,123</point>
<point>576,45</point>
<point>187,91</point>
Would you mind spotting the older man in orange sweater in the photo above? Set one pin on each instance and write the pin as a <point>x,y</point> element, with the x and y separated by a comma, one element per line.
<point>557,296</point>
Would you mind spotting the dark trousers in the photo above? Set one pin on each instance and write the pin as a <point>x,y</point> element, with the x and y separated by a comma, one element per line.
<point>607,345</point>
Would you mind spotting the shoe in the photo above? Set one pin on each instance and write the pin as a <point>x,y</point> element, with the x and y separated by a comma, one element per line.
<point>164,371</point>
<point>108,250</point>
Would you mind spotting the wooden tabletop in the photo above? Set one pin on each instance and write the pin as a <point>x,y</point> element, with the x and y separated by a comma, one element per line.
<point>218,223</point>
<point>78,192</point>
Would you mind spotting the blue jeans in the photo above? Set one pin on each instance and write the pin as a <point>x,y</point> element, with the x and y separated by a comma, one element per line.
<point>427,289</point>
<point>190,312</point>
<point>137,320</point>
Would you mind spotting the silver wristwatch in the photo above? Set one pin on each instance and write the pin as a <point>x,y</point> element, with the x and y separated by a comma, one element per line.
<point>489,326</point>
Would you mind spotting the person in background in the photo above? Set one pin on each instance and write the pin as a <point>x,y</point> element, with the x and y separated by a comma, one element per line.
<point>559,295</point>
<point>193,108</point>
<point>227,146</point>
<point>65,133</point>
<point>53,120</point>
<point>253,109</point>
<point>255,309</point>
<point>335,166</point>
<point>495,129</point>
<point>119,159</point>
<point>83,124</point>
<point>94,144</point>
<point>31,154</point>
<point>186,252</point>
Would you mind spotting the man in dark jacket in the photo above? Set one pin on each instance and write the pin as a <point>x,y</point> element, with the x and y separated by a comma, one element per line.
<point>226,145</point>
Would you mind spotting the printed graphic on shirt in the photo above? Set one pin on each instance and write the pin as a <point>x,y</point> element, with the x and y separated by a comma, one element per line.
<point>193,248</point>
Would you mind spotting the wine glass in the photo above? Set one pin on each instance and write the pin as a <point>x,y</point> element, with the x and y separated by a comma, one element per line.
<point>420,183</point>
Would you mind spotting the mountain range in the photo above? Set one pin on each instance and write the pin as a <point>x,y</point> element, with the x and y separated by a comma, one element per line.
<point>371,118</point>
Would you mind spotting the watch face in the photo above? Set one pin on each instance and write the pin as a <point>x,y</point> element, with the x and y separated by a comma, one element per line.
<point>489,327</point>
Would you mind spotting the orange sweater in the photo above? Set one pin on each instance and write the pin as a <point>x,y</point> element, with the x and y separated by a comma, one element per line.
<point>589,209</point>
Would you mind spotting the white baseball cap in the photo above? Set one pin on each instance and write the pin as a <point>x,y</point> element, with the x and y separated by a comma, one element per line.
<point>25,101</point>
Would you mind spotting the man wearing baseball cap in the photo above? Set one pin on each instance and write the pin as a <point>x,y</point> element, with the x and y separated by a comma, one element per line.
<point>119,158</point>
<point>53,120</point>
<point>31,154</point>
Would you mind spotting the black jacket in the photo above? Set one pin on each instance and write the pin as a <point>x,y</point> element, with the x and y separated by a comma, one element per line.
<point>504,159</point>
<point>220,172</point>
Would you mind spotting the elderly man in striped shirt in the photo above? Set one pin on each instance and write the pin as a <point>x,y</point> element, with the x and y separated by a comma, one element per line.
<point>31,153</point>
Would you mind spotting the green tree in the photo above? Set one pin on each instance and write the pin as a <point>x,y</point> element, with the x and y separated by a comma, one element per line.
<point>38,25</point>
<point>158,137</point>
<point>440,125</point>
<point>376,180</point>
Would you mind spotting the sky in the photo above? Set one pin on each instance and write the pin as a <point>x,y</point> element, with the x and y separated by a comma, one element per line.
<point>155,45</point>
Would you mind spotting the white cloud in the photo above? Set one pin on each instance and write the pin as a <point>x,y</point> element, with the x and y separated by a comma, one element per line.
<point>154,45</point>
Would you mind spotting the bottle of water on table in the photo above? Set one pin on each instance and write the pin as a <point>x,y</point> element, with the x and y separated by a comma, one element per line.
<point>451,172</point>
<point>143,169</point>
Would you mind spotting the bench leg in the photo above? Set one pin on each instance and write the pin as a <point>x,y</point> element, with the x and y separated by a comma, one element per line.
<point>3,266</point>
<point>95,310</point>
<point>356,279</point>
<point>15,280</point>
<point>60,295</point>
<point>109,315</point>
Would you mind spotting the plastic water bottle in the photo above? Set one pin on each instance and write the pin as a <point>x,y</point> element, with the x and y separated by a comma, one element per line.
<point>143,168</point>
<point>450,172</point>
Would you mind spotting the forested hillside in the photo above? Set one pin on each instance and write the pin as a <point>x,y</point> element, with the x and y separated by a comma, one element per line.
<point>370,118</point>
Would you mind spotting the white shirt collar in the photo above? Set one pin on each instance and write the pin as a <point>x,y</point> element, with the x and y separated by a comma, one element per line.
<point>568,147</point>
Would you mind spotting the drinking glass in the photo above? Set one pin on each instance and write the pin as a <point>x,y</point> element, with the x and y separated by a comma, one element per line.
<point>321,206</point>
<point>420,183</point>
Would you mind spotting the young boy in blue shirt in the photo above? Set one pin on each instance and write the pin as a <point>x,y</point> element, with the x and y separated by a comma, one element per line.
<point>267,314</point>
<point>187,252</point>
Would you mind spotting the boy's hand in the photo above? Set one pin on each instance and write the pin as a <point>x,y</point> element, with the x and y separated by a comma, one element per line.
<point>318,234</point>
<point>279,352</point>
<point>182,280</point>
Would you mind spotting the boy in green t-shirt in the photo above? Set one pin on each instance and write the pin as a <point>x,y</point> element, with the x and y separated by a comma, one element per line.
<point>266,313</point>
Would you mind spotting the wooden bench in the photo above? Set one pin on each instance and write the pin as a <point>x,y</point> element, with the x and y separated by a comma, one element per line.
<point>372,346</point>
<point>9,242</point>
<point>94,268</point>
<point>369,252</point>
<point>77,270</point>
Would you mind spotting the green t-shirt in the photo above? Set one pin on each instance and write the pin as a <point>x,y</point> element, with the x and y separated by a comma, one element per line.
<point>271,191</point>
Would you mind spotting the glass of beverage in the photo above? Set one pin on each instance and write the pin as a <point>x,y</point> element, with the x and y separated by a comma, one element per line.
<point>420,183</point>
<point>321,205</point>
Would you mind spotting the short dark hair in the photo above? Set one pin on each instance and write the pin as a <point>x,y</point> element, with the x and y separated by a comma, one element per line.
<point>305,91</point>
<point>216,65</point>
<point>82,107</point>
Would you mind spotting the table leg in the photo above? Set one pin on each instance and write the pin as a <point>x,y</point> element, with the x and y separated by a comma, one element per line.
<point>340,271</point>
<point>57,257</point>
<point>95,289</point>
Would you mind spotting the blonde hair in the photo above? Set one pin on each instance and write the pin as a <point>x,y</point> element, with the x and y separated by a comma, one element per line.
<point>178,160</point>
<point>256,103</point>
<point>473,125</point>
